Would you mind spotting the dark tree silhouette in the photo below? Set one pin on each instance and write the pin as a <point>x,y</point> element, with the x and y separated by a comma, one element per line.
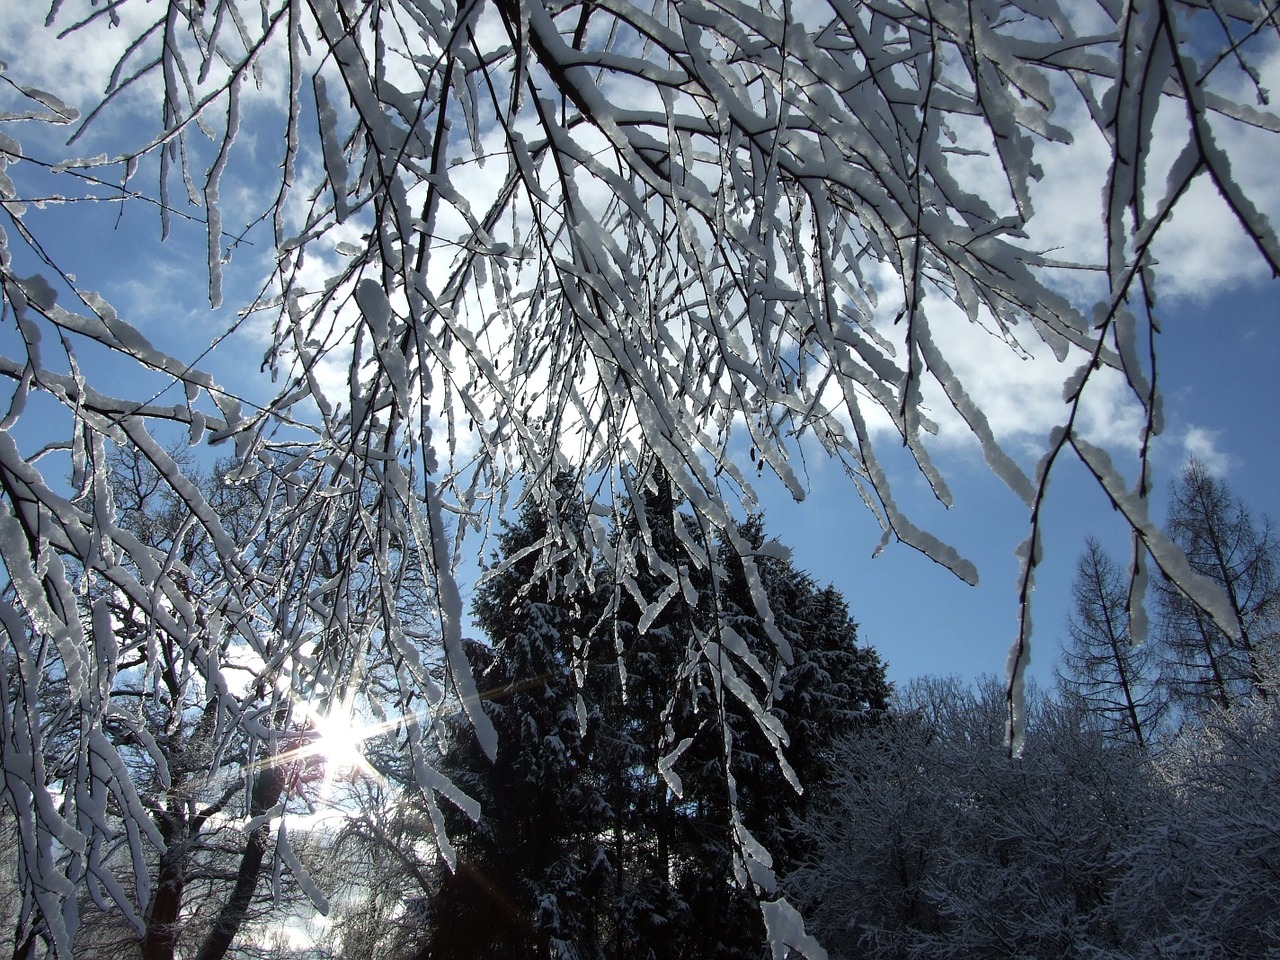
<point>1115,680</point>
<point>1221,661</point>
<point>629,829</point>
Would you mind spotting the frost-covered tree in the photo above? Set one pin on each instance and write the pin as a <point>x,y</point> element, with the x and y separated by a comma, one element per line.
<point>507,238</point>
<point>206,881</point>
<point>1209,662</point>
<point>1115,679</point>
<point>931,841</point>
<point>208,796</point>
<point>164,725</point>
<point>1200,876</point>
<point>376,863</point>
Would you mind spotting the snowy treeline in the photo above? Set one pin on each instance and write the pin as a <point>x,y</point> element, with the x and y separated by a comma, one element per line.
<point>932,842</point>
<point>1140,821</point>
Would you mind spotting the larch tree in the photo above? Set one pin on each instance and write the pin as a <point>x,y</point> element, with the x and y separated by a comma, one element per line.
<point>506,239</point>
<point>1115,679</point>
<point>1210,663</point>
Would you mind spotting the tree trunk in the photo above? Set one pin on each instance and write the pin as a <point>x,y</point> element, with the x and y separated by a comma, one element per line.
<point>162,916</point>
<point>267,787</point>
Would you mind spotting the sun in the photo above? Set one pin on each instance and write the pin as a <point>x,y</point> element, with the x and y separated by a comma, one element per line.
<point>338,744</point>
<point>341,740</point>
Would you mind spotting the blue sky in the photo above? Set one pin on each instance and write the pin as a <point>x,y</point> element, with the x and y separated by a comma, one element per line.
<point>1218,361</point>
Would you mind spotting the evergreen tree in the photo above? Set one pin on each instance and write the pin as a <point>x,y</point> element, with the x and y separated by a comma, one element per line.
<point>659,628</point>
<point>585,849</point>
<point>830,688</point>
<point>531,873</point>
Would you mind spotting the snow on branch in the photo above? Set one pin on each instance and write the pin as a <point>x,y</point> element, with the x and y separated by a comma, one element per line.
<point>508,241</point>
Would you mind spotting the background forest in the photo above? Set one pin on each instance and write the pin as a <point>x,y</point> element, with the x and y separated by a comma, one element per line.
<point>1138,822</point>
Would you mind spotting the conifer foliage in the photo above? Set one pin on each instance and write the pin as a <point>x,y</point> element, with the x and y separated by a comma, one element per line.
<point>1116,680</point>
<point>1191,664</point>
<point>608,827</point>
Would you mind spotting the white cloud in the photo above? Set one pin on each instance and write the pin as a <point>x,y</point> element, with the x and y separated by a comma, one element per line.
<point>1021,392</point>
<point>1067,225</point>
<point>1018,387</point>
<point>1201,251</point>
<point>1201,444</point>
<point>74,67</point>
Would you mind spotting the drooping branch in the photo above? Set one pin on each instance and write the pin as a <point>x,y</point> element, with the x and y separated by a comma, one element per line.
<point>620,240</point>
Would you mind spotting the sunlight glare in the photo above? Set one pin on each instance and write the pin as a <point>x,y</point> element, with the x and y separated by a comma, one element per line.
<point>340,744</point>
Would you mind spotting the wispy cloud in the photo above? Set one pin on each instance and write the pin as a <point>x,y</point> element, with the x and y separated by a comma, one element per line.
<point>1201,444</point>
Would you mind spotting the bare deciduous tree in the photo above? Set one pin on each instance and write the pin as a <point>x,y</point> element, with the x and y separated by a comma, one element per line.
<point>1208,662</point>
<point>1114,679</point>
